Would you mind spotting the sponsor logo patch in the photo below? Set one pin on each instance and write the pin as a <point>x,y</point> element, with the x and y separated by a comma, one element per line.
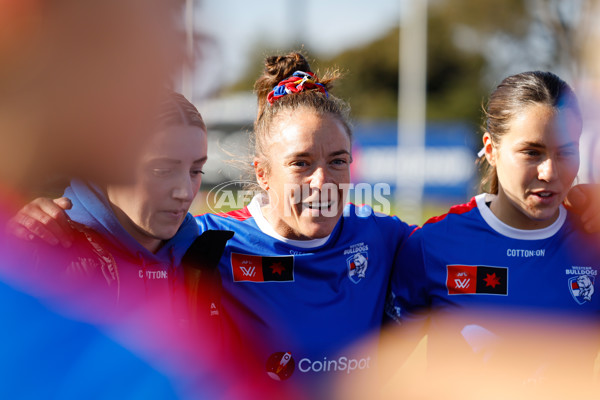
<point>476,279</point>
<point>280,365</point>
<point>251,268</point>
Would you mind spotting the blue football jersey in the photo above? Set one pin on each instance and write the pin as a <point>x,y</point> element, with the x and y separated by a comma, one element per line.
<point>301,303</point>
<point>468,267</point>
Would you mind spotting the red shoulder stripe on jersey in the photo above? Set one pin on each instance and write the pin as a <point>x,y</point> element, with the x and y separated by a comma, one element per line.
<point>457,209</point>
<point>416,228</point>
<point>241,214</point>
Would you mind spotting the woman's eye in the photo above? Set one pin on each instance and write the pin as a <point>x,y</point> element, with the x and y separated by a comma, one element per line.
<point>299,164</point>
<point>161,171</point>
<point>531,153</point>
<point>339,161</point>
<point>196,172</point>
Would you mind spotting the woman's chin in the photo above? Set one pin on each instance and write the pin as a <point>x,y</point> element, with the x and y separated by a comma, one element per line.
<point>534,218</point>
<point>165,234</point>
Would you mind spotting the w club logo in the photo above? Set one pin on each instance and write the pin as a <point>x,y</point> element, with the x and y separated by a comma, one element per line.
<point>462,283</point>
<point>248,271</point>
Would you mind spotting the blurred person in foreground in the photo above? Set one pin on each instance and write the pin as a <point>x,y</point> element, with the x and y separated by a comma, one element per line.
<point>80,82</point>
<point>76,98</point>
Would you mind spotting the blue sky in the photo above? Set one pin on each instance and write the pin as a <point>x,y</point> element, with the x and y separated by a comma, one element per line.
<point>323,26</point>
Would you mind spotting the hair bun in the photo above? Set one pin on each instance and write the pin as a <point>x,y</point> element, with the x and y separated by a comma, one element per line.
<point>280,67</point>
<point>277,68</point>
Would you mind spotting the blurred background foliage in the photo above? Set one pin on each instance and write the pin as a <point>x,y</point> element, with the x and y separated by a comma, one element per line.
<point>471,46</point>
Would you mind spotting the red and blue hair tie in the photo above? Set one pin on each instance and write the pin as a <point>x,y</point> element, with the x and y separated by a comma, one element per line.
<point>296,83</point>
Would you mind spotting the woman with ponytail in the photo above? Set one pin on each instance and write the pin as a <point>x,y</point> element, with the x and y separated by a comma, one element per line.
<point>512,273</point>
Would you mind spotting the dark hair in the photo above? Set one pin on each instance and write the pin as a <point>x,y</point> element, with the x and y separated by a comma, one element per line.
<point>176,110</point>
<point>278,68</point>
<point>509,98</point>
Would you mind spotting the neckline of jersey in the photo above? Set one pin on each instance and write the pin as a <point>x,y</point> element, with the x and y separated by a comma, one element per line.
<point>514,233</point>
<point>255,210</point>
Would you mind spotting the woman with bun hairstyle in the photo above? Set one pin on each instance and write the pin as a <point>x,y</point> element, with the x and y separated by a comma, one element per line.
<point>513,255</point>
<point>307,271</point>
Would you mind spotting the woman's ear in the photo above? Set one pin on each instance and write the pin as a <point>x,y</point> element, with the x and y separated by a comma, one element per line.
<point>260,171</point>
<point>490,151</point>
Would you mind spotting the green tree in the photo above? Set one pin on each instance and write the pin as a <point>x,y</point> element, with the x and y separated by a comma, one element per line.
<point>459,57</point>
